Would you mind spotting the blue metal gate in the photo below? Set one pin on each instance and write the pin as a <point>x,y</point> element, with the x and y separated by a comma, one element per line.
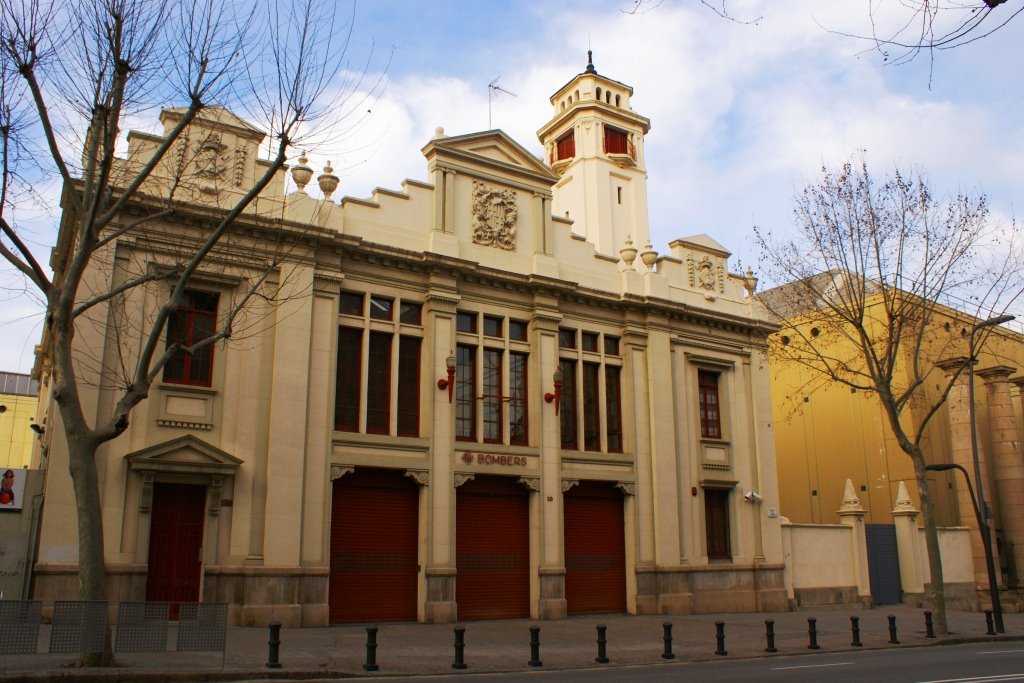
<point>883,564</point>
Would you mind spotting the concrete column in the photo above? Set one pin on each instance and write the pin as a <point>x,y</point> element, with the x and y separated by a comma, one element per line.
<point>1008,465</point>
<point>851,514</point>
<point>908,544</point>
<point>960,446</point>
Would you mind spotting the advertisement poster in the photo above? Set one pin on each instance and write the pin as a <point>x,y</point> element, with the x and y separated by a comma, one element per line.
<point>12,489</point>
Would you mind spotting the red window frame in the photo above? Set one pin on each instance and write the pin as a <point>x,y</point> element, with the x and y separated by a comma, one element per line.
<point>409,386</point>
<point>193,321</point>
<point>465,393</point>
<point>493,414</point>
<point>567,406</point>
<point>378,384</point>
<point>348,376</point>
<point>517,405</point>
<point>565,148</point>
<point>710,407</point>
<point>613,403</point>
<point>591,407</point>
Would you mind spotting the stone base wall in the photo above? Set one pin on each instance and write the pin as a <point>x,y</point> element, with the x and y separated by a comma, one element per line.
<point>258,595</point>
<point>838,596</point>
<point>710,589</point>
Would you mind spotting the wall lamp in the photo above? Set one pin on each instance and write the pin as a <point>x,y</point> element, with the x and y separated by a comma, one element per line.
<point>37,428</point>
<point>449,383</point>
<point>557,396</point>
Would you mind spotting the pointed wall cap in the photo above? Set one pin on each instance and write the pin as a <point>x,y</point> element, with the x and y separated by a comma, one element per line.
<point>903,502</point>
<point>851,503</point>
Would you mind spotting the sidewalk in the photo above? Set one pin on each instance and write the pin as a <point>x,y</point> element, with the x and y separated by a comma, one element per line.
<point>498,646</point>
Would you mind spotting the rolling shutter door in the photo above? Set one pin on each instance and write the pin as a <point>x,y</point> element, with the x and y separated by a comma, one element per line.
<point>374,540</point>
<point>492,549</point>
<point>595,549</point>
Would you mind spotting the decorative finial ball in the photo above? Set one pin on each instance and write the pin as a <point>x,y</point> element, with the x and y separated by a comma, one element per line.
<point>439,132</point>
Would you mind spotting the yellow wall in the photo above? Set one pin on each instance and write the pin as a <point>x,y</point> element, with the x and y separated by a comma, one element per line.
<point>15,437</point>
<point>826,433</point>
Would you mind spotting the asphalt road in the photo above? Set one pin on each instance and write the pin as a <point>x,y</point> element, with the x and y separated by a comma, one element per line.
<point>971,663</point>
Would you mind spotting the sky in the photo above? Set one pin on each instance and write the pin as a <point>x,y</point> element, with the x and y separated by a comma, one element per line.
<point>743,115</point>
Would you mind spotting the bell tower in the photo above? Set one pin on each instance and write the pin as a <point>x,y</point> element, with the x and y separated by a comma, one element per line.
<point>595,143</point>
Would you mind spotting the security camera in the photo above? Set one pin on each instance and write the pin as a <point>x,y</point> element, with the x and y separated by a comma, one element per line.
<point>752,497</point>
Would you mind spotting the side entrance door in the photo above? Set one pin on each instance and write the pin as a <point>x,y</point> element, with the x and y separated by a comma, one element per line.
<point>883,564</point>
<point>175,544</point>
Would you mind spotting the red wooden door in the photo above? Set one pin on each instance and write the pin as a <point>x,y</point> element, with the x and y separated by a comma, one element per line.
<point>595,549</point>
<point>374,544</point>
<point>175,543</point>
<point>492,546</point>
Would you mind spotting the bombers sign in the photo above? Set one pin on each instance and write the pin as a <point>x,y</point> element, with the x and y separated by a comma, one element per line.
<point>492,459</point>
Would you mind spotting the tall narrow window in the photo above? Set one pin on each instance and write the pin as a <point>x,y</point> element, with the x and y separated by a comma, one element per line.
<point>615,141</point>
<point>492,396</point>
<point>346,399</point>
<point>409,386</point>
<point>591,407</point>
<point>465,399</point>
<point>710,417</point>
<point>193,321</point>
<point>613,402</point>
<point>517,407</point>
<point>567,410</point>
<point>566,147</point>
<point>378,384</point>
<point>716,522</point>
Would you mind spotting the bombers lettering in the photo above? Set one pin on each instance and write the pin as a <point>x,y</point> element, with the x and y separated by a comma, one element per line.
<point>492,459</point>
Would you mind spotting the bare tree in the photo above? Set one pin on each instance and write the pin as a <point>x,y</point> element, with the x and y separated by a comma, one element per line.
<point>72,75</point>
<point>869,273</point>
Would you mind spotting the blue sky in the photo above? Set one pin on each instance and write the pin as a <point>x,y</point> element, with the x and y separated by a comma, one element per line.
<point>742,115</point>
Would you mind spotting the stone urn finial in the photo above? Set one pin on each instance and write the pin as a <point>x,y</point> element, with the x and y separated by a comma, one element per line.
<point>749,281</point>
<point>302,173</point>
<point>328,181</point>
<point>648,255</point>
<point>628,253</point>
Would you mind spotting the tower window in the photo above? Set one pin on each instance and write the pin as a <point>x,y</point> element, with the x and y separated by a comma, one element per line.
<point>599,93</point>
<point>565,147</point>
<point>615,141</point>
<point>619,193</point>
<point>617,101</point>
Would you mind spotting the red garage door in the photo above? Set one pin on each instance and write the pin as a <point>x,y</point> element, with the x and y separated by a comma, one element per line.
<point>492,538</point>
<point>595,549</point>
<point>374,532</point>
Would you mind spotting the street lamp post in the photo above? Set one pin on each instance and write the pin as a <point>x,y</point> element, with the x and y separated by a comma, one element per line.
<point>981,507</point>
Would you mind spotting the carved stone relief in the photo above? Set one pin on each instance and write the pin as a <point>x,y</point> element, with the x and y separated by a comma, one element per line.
<point>339,471</point>
<point>494,216</point>
<point>421,477</point>
<point>568,484</point>
<point>461,478</point>
<point>532,483</point>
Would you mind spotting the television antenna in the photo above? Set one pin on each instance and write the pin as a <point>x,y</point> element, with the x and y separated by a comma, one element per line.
<point>492,89</point>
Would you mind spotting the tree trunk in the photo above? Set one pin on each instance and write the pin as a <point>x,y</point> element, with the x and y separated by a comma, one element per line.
<point>92,572</point>
<point>937,588</point>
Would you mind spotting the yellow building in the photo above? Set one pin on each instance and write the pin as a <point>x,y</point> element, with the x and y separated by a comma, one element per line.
<point>502,341</point>
<point>827,433</point>
<point>19,398</point>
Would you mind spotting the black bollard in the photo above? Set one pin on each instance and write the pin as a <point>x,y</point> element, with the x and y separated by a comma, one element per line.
<point>769,634</point>
<point>720,638</point>
<point>929,627</point>
<point>667,654</point>
<point>812,634</point>
<point>274,646</point>
<point>602,644</point>
<point>535,647</point>
<point>460,649</point>
<point>893,640</point>
<point>989,623</point>
<point>371,649</point>
<point>855,628</point>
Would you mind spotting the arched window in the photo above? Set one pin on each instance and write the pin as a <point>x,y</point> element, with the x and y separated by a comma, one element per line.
<point>599,93</point>
<point>608,97</point>
<point>617,101</point>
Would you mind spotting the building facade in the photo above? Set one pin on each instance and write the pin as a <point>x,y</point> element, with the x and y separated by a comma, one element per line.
<point>830,437</point>
<point>484,395</point>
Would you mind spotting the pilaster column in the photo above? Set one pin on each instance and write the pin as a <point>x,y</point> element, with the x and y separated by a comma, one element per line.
<point>908,544</point>
<point>1008,466</point>
<point>958,406</point>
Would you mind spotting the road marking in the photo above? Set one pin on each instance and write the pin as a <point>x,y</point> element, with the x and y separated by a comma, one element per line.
<point>811,666</point>
<point>1000,652</point>
<point>980,679</point>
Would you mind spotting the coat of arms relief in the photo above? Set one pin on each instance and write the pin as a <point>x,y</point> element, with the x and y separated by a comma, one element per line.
<point>494,216</point>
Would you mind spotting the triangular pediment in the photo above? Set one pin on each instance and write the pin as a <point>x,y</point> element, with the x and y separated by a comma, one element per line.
<point>492,148</point>
<point>184,454</point>
<point>703,243</point>
<point>214,117</point>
